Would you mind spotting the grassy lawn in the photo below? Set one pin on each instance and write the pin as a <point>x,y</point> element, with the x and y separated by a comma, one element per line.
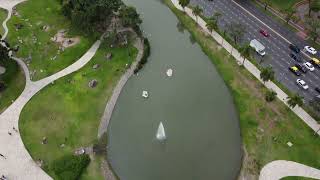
<point>15,82</point>
<point>3,16</point>
<point>283,4</point>
<point>69,111</point>
<point>33,15</point>
<point>265,127</point>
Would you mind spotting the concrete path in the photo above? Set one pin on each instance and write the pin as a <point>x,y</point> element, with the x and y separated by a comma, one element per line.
<point>280,169</point>
<point>276,169</point>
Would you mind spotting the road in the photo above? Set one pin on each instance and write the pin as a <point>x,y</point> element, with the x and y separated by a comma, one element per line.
<point>276,45</point>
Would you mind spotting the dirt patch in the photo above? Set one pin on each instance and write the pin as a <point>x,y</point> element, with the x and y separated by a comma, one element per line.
<point>64,41</point>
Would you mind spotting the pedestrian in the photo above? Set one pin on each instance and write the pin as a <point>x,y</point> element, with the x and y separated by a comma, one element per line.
<point>3,178</point>
<point>15,129</point>
<point>10,133</point>
<point>3,156</point>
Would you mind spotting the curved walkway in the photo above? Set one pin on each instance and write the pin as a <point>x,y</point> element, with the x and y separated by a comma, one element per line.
<point>16,163</point>
<point>279,169</point>
<point>276,169</point>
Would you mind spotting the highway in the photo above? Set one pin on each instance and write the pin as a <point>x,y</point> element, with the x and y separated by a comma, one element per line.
<point>277,51</point>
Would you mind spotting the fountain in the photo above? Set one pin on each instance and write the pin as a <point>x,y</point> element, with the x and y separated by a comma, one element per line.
<point>161,135</point>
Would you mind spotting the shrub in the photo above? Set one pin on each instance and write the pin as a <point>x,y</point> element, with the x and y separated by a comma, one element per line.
<point>146,54</point>
<point>270,96</point>
<point>70,167</point>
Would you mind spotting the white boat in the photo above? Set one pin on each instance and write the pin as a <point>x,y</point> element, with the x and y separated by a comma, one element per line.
<point>169,72</point>
<point>161,135</point>
<point>145,94</point>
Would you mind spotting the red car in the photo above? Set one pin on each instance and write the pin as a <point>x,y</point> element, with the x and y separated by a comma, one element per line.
<point>264,32</point>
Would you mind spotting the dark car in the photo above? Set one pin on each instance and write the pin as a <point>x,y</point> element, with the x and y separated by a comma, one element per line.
<point>317,89</point>
<point>301,68</point>
<point>294,48</point>
<point>295,57</point>
<point>264,33</point>
<point>295,70</point>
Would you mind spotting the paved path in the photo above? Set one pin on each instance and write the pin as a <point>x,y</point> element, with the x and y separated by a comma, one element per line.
<point>275,169</point>
<point>17,163</point>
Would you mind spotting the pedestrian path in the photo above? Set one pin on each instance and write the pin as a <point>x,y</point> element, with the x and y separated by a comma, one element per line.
<point>277,169</point>
<point>16,162</point>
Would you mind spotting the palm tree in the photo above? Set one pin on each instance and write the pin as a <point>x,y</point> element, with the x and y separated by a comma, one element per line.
<point>197,11</point>
<point>267,74</point>
<point>295,100</point>
<point>211,25</point>
<point>314,29</point>
<point>289,13</point>
<point>245,52</point>
<point>184,3</point>
<point>236,31</point>
<point>270,96</point>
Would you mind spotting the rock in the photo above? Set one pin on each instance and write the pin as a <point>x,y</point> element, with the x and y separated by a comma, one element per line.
<point>44,140</point>
<point>96,66</point>
<point>93,83</point>
<point>62,145</point>
<point>79,151</point>
<point>109,56</point>
<point>45,28</point>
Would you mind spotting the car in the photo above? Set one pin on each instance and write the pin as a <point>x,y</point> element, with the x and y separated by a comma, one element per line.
<point>309,66</point>
<point>295,57</point>
<point>301,68</point>
<point>302,84</point>
<point>317,89</point>
<point>315,62</point>
<point>295,70</point>
<point>264,33</point>
<point>310,50</point>
<point>294,48</point>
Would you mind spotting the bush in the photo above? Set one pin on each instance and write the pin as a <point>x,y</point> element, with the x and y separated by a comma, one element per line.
<point>270,96</point>
<point>70,167</point>
<point>146,54</point>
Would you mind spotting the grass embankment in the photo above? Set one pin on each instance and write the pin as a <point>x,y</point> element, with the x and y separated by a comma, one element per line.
<point>3,16</point>
<point>69,112</point>
<point>36,41</point>
<point>265,127</point>
<point>282,4</point>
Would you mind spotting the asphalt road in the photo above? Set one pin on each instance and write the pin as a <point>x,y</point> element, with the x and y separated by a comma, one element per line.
<point>277,51</point>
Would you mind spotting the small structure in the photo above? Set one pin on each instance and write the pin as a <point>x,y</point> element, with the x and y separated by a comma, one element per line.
<point>145,94</point>
<point>289,144</point>
<point>169,72</point>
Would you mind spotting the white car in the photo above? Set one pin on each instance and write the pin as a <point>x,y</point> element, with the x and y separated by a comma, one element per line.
<point>310,50</point>
<point>302,84</point>
<point>309,66</point>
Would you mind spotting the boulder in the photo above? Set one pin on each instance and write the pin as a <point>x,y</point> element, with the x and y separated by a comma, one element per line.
<point>96,66</point>
<point>93,83</point>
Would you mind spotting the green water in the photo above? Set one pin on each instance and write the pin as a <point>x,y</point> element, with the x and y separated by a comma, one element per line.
<point>195,106</point>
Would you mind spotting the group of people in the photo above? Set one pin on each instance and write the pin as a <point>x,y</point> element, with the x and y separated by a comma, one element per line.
<point>3,178</point>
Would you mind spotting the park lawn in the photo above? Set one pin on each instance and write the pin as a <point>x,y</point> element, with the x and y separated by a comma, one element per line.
<point>265,127</point>
<point>69,111</point>
<point>3,16</point>
<point>15,82</point>
<point>283,4</point>
<point>33,15</point>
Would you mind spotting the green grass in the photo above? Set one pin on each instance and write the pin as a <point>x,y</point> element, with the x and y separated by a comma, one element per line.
<point>3,16</point>
<point>15,82</point>
<point>283,4</point>
<point>69,111</point>
<point>34,14</point>
<point>265,127</point>
<point>296,178</point>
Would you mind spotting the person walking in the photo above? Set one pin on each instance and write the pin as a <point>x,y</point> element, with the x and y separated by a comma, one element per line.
<point>3,156</point>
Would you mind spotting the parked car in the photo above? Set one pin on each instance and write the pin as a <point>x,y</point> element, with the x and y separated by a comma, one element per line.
<point>315,62</point>
<point>301,68</point>
<point>302,84</point>
<point>309,66</point>
<point>264,33</point>
<point>310,50</point>
<point>295,70</point>
<point>294,48</point>
<point>317,89</point>
<point>295,57</point>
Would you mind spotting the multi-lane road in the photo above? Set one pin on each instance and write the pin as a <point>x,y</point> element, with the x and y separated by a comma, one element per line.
<point>244,12</point>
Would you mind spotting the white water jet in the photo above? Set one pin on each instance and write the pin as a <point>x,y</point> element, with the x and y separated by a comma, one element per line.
<point>161,135</point>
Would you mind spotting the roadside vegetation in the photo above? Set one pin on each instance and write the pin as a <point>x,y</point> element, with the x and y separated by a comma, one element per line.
<point>3,16</point>
<point>266,127</point>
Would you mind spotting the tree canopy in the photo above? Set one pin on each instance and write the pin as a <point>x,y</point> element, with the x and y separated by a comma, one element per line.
<point>129,17</point>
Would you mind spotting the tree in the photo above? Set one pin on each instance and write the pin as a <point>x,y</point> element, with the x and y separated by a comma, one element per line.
<point>313,29</point>
<point>211,25</point>
<point>245,52</point>
<point>313,6</point>
<point>184,3</point>
<point>129,17</point>
<point>270,96</point>
<point>4,54</point>
<point>295,100</point>
<point>266,4</point>
<point>267,74</point>
<point>289,13</point>
<point>197,11</point>
<point>236,31</point>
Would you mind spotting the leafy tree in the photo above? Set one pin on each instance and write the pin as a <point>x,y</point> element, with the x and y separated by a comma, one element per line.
<point>184,3</point>
<point>197,11</point>
<point>270,96</point>
<point>313,6</point>
<point>3,54</point>
<point>313,28</point>
<point>289,13</point>
<point>129,17</point>
<point>266,3</point>
<point>267,74</point>
<point>211,25</point>
<point>245,52</point>
<point>295,100</point>
<point>236,31</point>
